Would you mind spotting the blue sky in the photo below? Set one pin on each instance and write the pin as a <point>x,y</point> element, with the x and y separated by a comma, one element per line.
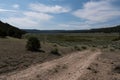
<point>60,14</point>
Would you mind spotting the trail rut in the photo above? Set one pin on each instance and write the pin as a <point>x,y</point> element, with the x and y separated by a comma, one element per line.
<point>70,67</point>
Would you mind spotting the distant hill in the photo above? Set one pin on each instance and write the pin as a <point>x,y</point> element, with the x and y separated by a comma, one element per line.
<point>9,30</point>
<point>107,30</point>
<point>100,30</point>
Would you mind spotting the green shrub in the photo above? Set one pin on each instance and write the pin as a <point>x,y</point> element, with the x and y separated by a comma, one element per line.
<point>77,48</point>
<point>55,45</point>
<point>116,39</point>
<point>55,52</point>
<point>112,49</point>
<point>94,46</point>
<point>84,47</point>
<point>33,44</point>
<point>117,69</point>
<point>105,46</point>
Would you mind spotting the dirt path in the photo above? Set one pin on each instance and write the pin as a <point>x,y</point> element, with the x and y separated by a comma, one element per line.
<point>70,67</point>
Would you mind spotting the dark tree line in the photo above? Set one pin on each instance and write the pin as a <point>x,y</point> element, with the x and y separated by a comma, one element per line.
<point>115,29</point>
<point>9,30</point>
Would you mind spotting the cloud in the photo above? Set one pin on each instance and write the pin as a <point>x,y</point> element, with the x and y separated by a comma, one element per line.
<point>38,16</point>
<point>49,9</point>
<point>93,14</point>
<point>29,19</point>
<point>21,22</point>
<point>16,6</point>
<point>101,11</point>
<point>6,10</point>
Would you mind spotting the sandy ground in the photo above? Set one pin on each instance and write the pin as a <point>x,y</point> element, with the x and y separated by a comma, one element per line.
<point>70,67</point>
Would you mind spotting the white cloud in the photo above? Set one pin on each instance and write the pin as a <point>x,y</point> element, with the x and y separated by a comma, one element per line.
<point>29,19</point>
<point>16,6</point>
<point>100,11</point>
<point>49,9</point>
<point>21,22</point>
<point>6,10</point>
<point>38,16</point>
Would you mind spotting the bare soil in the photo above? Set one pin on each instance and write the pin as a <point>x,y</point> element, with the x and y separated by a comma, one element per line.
<point>105,67</point>
<point>70,67</point>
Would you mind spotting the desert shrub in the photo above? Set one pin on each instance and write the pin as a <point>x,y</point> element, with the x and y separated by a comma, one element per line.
<point>77,48</point>
<point>116,39</point>
<point>117,69</point>
<point>94,46</point>
<point>84,47</point>
<point>55,52</point>
<point>105,46</point>
<point>55,45</point>
<point>33,44</point>
<point>112,49</point>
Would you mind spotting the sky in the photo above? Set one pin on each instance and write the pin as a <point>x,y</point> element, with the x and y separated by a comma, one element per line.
<point>60,14</point>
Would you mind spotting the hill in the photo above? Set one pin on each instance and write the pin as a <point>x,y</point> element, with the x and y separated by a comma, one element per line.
<point>9,30</point>
<point>107,30</point>
<point>115,29</point>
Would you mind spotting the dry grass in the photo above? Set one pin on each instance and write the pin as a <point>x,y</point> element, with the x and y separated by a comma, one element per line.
<point>14,56</point>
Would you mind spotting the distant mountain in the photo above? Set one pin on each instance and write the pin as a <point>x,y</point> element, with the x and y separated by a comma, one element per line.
<point>9,30</point>
<point>100,30</point>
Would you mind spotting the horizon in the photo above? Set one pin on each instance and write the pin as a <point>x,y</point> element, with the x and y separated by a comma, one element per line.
<point>72,29</point>
<point>60,14</point>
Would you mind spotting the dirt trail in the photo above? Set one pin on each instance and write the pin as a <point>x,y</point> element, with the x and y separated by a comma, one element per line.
<point>70,67</point>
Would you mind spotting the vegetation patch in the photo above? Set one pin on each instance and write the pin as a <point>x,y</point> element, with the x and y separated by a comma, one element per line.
<point>117,69</point>
<point>55,52</point>
<point>33,44</point>
<point>84,47</point>
<point>9,30</point>
<point>77,48</point>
